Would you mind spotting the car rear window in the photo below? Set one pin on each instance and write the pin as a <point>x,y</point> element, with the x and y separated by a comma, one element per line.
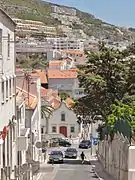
<point>71,150</point>
<point>85,141</point>
<point>56,153</point>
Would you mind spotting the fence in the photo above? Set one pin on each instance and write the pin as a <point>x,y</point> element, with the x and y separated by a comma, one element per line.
<point>116,157</point>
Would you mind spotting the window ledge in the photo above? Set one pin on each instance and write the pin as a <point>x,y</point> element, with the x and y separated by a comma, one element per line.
<point>7,99</point>
<point>10,96</point>
<point>13,94</point>
<point>2,102</point>
<point>8,58</point>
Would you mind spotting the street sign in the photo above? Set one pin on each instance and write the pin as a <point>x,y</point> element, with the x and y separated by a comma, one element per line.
<point>95,140</point>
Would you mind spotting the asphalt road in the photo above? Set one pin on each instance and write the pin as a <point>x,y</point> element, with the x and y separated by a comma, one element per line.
<point>71,169</point>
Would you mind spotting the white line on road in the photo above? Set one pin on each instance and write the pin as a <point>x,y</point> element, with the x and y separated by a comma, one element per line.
<point>66,169</point>
<point>55,171</point>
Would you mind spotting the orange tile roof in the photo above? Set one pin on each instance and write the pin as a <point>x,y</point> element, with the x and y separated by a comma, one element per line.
<point>69,102</point>
<point>41,74</point>
<point>32,99</point>
<point>64,74</point>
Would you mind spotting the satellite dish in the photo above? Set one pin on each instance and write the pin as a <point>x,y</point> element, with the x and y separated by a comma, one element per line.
<point>39,145</point>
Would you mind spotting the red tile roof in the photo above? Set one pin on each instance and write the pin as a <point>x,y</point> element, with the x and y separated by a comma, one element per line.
<point>64,74</point>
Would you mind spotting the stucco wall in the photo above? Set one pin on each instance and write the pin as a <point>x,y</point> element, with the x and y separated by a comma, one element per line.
<point>62,84</point>
<point>118,158</point>
<point>70,120</point>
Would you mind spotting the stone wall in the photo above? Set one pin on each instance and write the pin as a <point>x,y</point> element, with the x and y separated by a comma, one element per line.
<point>118,157</point>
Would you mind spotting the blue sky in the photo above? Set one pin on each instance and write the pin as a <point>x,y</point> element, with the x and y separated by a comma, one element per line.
<point>118,12</point>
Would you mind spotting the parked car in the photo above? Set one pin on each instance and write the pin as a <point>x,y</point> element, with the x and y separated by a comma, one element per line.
<point>85,144</point>
<point>56,156</point>
<point>64,143</point>
<point>71,153</point>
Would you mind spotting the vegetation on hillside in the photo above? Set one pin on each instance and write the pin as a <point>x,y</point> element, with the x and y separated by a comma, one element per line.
<point>32,61</point>
<point>41,11</point>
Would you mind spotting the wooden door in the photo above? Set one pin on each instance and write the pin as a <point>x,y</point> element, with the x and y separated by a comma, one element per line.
<point>63,130</point>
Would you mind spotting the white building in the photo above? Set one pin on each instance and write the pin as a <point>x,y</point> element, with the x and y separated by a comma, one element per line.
<point>7,92</point>
<point>33,27</point>
<point>32,115</point>
<point>63,121</point>
<point>66,43</point>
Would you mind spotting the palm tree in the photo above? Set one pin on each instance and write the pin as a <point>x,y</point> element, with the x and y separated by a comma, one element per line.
<point>46,112</point>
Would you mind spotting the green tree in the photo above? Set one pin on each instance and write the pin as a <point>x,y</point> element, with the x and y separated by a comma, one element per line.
<point>108,78</point>
<point>63,95</point>
<point>46,112</point>
<point>36,61</point>
<point>103,78</point>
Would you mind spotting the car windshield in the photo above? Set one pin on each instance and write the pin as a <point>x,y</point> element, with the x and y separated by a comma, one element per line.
<point>56,153</point>
<point>71,150</point>
<point>85,141</point>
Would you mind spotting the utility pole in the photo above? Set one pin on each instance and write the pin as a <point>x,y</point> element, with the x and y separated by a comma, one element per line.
<point>27,76</point>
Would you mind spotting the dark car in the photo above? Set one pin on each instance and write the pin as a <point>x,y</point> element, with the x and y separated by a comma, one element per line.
<point>85,144</point>
<point>64,143</point>
<point>56,156</point>
<point>71,153</point>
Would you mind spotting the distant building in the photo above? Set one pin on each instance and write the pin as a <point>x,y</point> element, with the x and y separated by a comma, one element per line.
<point>64,43</point>
<point>65,81</point>
<point>33,27</point>
<point>62,64</point>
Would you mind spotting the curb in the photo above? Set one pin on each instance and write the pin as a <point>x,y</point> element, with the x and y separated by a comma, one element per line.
<point>96,174</point>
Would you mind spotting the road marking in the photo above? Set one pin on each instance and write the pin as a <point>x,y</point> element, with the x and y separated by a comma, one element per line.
<point>66,169</point>
<point>40,175</point>
<point>55,171</point>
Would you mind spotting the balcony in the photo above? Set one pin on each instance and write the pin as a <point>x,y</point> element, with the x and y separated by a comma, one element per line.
<point>22,140</point>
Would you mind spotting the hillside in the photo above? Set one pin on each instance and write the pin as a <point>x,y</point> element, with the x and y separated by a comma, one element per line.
<point>42,11</point>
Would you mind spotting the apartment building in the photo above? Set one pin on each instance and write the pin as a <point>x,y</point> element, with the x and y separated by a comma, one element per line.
<point>65,81</point>
<point>33,27</point>
<point>8,124</point>
<point>63,64</point>
<point>66,43</point>
<point>27,46</point>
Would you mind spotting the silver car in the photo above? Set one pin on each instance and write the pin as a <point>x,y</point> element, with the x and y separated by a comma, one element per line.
<point>71,153</point>
<point>56,157</point>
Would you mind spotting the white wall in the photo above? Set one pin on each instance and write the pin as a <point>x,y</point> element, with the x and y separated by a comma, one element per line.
<point>7,74</point>
<point>70,120</point>
<point>7,69</point>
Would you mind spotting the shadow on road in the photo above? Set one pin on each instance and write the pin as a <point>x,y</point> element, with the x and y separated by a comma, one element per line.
<point>75,162</point>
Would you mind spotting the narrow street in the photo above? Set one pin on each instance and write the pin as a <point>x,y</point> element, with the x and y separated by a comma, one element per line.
<point>71,169</point>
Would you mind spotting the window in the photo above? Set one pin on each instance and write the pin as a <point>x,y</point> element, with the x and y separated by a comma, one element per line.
<point>0,41</point>
<point>13,85</point>
<point>72,129</point>
<point>10,88</point>
<point>2,91</point>
<point>62,116</point>
<point>6,89</point>
<point>42,130</point>
<point>54,129</point>
<point>8,45</point>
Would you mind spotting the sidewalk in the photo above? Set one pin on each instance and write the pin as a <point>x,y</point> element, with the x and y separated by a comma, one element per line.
<point>99,169</point>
